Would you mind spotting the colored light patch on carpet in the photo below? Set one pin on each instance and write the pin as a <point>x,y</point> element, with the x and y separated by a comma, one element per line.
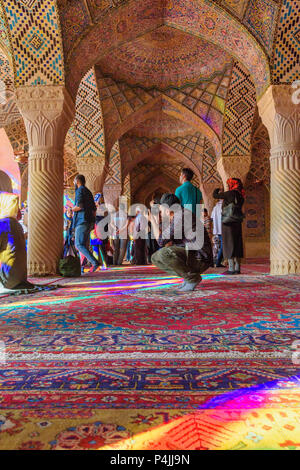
<point>137,429</point>
<point>123,342</point>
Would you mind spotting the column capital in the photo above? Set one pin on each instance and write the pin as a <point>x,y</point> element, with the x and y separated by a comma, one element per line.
<point>278,99</point>
<point>280,113</point>
<point>111,193</point>
<point>92,171</point>
<point>235,166</point>
<point>48,112</point>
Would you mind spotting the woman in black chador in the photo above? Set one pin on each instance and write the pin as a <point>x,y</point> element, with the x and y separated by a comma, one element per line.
<point>232,233</point>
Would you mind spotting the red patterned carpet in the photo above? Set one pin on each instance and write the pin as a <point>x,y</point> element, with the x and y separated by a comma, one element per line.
<point>118,358</point>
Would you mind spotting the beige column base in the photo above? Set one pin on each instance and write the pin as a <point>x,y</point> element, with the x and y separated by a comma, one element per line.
<point>281,116</point>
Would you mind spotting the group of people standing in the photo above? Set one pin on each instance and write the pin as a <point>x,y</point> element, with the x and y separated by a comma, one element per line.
<point>167,250</point>
<point>125,243</point>
<point>85,229</point>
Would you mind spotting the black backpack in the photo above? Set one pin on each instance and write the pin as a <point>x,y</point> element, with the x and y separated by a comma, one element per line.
<point>69,264</point>
<point>232,213</point>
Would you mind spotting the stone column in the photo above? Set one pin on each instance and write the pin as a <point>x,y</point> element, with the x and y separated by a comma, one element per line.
<point>207,192</point>
<point>93,173</point>
<point>111,193</point>
<point>47,113</point>
<point>236,166</point>
<point>281,115</point>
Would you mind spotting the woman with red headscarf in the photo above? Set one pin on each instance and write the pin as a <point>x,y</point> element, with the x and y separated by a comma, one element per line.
<point>232,232</point>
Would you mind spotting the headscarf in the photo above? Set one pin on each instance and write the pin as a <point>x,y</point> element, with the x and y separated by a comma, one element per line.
<point>235,184</point>
<point>9,205</point>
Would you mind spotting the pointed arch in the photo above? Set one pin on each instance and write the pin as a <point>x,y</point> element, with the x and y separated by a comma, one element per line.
<point>153,182</point>
<point>202,18</point>
<point>166,105</point>
<point>162,147</point>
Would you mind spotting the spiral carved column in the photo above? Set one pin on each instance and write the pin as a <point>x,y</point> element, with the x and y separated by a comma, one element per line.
<point>281,116</point>
<point>47,113</point>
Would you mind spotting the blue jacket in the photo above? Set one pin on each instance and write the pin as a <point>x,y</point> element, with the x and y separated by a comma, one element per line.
<point>84,198</point>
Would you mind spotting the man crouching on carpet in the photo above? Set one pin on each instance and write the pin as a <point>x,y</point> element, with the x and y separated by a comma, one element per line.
<point>185,245</point>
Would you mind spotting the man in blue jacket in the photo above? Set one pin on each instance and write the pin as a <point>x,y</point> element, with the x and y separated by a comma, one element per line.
<point>84,219</point>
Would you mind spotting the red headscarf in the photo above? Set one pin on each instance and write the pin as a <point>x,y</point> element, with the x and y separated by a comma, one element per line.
<point>235,184</point>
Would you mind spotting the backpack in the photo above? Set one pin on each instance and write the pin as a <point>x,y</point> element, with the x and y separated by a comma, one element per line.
<point>232,213</point>
<point>69,264</point>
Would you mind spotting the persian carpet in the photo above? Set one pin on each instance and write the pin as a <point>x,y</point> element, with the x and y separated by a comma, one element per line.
<point>120,359</point>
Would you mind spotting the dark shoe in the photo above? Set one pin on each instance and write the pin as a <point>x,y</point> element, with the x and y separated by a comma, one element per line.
<point>220,266</point>
<point>229,273</point>
<point>94,268</point>
<point>237,272</point>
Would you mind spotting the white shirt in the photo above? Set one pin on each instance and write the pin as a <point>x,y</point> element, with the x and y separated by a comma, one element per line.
<point>216,215</point>
<point>118,223</point>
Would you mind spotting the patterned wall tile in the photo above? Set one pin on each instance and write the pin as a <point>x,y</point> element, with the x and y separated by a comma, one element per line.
<point>114,175</point>
<point>239,113</point>
<point>127,189</point>
<point>36,41</point>
<point>4,39</point>
<point>17,135</point>
<point>286,52</point>
<point>70,158</point>
<point>88,120</point>
<point>9,112</point>
<point>260,18</point>
<point>256,211</point>
<point>147,179</point>
<point>160,59</point>
<point>260,153</point>
<point>74,19</point>
<point>209,166</point>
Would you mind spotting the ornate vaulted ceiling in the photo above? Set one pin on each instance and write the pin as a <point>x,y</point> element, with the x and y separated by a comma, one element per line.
<point>162,125</point>
<point>167,68</point>
<point>261,34</point>
<point>163,58</point>
<point>123,30</point>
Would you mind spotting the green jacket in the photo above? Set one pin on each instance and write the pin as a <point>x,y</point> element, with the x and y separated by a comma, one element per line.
<point>187,193</point>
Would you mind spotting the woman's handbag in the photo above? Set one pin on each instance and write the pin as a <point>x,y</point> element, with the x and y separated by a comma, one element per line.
<point>232,213</point>
<point>69,265</point>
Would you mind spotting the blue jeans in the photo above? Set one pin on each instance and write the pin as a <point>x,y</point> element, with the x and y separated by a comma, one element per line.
<point>82,235</point>
<point>220,253</point>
